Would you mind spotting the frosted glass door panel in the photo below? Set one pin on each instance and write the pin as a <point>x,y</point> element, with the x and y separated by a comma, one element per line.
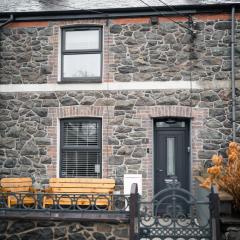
<point>170,156</point>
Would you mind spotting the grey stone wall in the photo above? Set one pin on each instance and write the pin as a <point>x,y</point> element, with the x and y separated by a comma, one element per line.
<point>25,123</point>
<point>165,52</point>
<point>24,55</point>
<point>49,230</point>
<point>141,52</point>
<point>137,52</point>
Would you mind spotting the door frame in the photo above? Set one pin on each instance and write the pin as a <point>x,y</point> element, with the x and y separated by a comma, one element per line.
<point>188,137</point>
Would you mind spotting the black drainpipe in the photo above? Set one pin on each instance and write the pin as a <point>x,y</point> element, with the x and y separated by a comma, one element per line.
<point>8,21</point>
<point>233,76</point>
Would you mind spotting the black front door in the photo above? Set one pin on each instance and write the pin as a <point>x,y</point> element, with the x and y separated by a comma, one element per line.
<point>171,153</point>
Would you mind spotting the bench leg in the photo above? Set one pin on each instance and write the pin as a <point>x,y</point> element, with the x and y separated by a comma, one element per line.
<point>43,202</point>
<point>9,202</point>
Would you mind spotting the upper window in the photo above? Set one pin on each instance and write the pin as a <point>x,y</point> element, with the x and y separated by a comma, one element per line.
<point>82,54</point>
<point>80,148</point>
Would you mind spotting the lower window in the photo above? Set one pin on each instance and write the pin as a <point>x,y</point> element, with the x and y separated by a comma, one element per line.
<point>80,147</point>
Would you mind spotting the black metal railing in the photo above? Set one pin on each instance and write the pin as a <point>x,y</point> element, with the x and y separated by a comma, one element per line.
<point>64,201</point>
<point>115,208</point>
<point>148,221</point>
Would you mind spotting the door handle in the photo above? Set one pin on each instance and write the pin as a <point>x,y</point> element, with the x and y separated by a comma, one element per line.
<point>168,180</point>
<point>159,170</point>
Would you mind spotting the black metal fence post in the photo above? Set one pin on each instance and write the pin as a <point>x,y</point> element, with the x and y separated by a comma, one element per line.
<point>214,204</point>
<point>133,205</point>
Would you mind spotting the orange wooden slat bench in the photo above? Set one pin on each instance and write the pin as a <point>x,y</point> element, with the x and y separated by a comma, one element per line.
<point>92,191</point>
<point>14,187</point>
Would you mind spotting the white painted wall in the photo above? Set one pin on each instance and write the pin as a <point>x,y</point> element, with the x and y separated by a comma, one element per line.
<point>109,86</point>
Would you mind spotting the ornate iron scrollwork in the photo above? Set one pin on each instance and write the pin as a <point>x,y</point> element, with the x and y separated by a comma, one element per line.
<point>172,214</point>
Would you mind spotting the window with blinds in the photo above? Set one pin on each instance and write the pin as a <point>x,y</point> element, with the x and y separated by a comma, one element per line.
<point>80,148</point>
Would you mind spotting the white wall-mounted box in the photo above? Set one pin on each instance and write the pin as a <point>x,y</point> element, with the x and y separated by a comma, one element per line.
<point>129,179</point>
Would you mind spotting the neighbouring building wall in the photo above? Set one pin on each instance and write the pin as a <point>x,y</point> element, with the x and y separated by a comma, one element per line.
<point>49,230</point>
<point>193,82</point>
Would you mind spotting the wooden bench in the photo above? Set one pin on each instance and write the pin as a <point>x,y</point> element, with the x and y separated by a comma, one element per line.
<point>90,188</point>
<point>14,187</point>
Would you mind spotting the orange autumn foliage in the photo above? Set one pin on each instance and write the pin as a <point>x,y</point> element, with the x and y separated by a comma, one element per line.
<point>215,170</point>
<point>217,160</point>
<point>226,176</point>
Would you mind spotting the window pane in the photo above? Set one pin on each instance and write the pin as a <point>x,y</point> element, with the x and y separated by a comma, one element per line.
<point>82,40</point>
<point>84,65</point>
<point>81,133</point>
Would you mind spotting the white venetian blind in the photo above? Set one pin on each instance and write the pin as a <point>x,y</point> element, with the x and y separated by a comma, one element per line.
<point>81,133</point>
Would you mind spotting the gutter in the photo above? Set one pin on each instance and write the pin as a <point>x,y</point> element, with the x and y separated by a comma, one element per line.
<point>8,21</point>
<point>233,76</point>
<point>71,15</point>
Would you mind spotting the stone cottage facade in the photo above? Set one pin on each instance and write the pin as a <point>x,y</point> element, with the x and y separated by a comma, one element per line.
<point>148,73</point>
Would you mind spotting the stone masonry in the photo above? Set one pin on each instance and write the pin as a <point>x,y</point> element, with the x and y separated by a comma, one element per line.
<point>24,55</point>
<point>29,128</point>
<point>53,230</point>
<point>165,52</point>
<point>132,52</point>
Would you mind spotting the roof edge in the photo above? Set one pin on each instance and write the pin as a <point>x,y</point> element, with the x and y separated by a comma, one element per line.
<point>118,12</point>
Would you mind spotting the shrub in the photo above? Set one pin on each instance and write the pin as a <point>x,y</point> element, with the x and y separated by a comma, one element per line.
<point>226,175</point>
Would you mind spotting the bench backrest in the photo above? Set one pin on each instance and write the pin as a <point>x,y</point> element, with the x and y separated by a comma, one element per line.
<point>16,184</point>
<point>81,185</point>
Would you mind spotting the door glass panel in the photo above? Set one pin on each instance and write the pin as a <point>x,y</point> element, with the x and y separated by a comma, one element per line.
<point>170,124</point>
<point>170,156</point>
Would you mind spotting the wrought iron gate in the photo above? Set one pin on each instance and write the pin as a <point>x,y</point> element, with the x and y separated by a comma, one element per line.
<point>175,214</point>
